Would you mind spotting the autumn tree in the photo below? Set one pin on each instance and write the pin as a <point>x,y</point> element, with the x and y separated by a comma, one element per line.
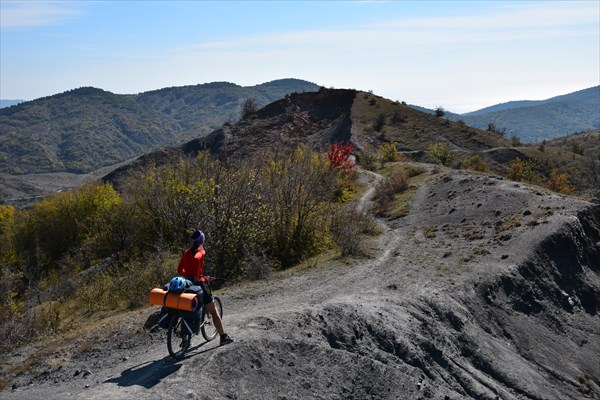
<point>300,191</point>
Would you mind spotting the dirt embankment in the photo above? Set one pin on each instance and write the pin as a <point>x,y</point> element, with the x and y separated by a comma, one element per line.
<point>488,289</point>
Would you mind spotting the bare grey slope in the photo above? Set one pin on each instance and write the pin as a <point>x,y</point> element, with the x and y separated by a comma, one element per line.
<point>488,289</point>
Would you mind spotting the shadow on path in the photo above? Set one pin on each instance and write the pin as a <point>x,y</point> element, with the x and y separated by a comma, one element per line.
<point>150,374</point>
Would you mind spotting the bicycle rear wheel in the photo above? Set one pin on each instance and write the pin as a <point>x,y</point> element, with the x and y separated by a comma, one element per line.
<point>178,337</point>
<point>209,330</point>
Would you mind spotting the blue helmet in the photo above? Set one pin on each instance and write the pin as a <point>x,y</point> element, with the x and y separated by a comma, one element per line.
<point>177,284</point>
<point>198,236</point>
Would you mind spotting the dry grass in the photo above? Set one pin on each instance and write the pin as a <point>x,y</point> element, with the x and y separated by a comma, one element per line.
<point>473,232</point>
<point>430,231</point>
<point>505,225</point>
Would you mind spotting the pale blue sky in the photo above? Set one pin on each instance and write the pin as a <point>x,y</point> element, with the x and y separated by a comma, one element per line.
<point>459,55</point>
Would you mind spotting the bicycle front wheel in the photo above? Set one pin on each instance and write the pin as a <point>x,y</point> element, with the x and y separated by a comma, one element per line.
<point>209,330</point>
<point>178,337</point>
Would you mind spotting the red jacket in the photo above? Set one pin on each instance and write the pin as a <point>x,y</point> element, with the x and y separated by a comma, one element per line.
<point>191,265</point>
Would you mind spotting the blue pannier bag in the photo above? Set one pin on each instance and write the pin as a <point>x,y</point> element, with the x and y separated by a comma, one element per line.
<point>165,317</point>
<point>193,317</point>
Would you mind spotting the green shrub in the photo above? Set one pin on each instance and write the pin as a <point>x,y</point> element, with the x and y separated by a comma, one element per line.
<point>440,152</point>
<point>515,141</point>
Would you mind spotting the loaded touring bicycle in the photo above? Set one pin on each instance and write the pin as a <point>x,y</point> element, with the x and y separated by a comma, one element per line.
<point>183,314</point>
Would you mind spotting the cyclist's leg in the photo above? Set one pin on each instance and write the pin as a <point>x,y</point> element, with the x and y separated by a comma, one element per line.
<point>210,307</point>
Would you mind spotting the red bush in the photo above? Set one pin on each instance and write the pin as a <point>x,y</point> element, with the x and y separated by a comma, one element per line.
<point>339,155</point>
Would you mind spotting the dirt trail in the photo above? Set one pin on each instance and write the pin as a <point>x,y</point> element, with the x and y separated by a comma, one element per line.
<point>444,309</point>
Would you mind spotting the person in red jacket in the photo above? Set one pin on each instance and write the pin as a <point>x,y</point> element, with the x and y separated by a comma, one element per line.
<point>191,266</point>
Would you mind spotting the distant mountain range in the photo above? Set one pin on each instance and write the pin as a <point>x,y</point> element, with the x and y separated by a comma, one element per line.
<point>534,121</point>
<point>88,128</point>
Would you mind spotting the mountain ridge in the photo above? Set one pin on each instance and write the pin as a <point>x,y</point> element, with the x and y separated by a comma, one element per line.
<point>87,128</point>
<point>534,121</point>
<point>587,93</point>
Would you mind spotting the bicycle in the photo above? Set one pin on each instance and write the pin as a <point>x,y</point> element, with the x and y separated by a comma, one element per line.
<point>179,332</point>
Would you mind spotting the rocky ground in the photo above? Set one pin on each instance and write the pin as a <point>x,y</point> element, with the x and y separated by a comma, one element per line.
<point>487,289</point>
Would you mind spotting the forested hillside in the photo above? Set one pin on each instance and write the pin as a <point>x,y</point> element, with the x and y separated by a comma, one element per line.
<point>535,121</point>
<point>87,128</point>
<point>78,131</point>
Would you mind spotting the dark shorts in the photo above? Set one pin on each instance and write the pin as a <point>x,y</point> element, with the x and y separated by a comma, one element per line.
<point>206,295</point>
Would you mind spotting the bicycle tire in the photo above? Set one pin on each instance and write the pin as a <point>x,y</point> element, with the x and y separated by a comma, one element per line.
<point>178,339</point>
<point>209,330</point>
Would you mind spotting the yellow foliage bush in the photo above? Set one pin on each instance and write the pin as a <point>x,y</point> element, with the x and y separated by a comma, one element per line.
<point>389,152</point>
<point>559,182</point>
<point>475,163</point>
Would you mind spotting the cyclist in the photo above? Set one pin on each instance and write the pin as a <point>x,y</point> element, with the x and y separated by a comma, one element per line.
<point>191,267</point>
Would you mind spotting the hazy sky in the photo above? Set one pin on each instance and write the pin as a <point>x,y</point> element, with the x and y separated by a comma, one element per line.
<point>459,55</point>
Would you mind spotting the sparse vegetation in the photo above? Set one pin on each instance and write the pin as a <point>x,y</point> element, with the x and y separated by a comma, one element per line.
<point>504,226</point>
<point>370,160</point>
<point>515,141</point>
<point>473,233</point>
<point>397,118</point>
<point>412,171</point>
